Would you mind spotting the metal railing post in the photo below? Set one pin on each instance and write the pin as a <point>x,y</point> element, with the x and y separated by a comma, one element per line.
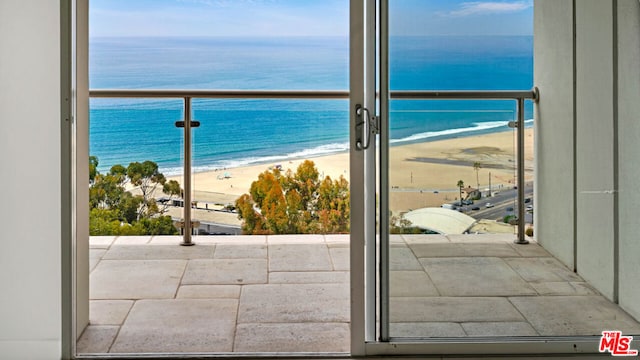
<point>187,229</point>
<point>520,165</point>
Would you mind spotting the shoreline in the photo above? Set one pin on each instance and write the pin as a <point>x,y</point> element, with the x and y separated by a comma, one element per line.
<point>421,174</point>
<point>170,171</point>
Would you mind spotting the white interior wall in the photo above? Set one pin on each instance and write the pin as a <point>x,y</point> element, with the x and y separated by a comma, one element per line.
<point>629,150</point>
<point>554,128</point>
<point>598,85</point>
<point>595,144</point>
<point>30,215</point>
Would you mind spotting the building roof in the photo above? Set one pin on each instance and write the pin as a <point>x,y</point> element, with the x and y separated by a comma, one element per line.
<point>442,221</point>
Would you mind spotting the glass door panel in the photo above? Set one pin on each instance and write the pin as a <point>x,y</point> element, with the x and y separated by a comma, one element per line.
<point>452,155</point>
<point>455,194</point>
<point>451,182</point>
<point>451,201</point>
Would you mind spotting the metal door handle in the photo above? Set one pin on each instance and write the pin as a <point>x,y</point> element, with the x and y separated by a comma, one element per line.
<point>363,130</point>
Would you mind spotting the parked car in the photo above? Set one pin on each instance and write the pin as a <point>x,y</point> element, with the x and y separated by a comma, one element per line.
<point>527,200</point>
<point>529,207</point>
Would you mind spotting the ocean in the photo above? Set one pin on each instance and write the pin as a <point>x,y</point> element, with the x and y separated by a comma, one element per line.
<point>237,132</point>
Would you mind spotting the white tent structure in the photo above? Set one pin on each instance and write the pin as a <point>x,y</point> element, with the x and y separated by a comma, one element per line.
<point>439,220</point>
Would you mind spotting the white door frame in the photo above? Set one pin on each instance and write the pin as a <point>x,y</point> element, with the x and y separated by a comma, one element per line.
<point>366,338</point>
<point>362,180</point>
<point>74,47</point>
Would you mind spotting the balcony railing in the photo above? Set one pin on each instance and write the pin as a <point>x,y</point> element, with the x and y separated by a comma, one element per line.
<point>188,95</point>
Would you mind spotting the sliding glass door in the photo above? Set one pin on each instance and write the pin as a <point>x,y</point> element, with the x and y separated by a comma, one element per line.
<point>441,176</point>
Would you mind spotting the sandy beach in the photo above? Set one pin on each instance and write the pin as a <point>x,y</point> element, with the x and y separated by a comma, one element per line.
<point>421,175</point>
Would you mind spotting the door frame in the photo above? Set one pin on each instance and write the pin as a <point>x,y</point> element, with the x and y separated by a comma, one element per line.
<point>74,47</point>
<point>361,14</point>
<point>366,338</point>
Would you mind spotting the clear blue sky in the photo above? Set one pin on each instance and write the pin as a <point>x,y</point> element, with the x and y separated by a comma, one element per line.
<point>303,17</point>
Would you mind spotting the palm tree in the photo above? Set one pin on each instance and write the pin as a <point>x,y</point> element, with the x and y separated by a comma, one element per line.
<point>476,166</point>
<point>460,186</point>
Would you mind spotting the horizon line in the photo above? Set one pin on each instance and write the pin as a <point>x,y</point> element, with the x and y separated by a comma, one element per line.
<point>298,36</point>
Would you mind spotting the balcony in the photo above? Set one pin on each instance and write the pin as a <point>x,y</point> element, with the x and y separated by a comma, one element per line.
<point>290,293</point>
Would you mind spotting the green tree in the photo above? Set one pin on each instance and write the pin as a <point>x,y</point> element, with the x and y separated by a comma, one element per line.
<point>103,222</point>
<point>116,211</point>
<point>401,225</point>
<point>93,168</point>
<point>160,225</point>
<point>146,177</point>
<point>252,223</point>
<point>106,191</point>
<point>460,185</point>
<point>333,205</point>
<point>295,203</point>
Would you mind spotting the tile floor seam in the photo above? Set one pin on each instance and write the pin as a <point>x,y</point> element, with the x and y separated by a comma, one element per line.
<point>523,316</point>
<point>571,284</point>
<point>429,276</point>
<point>184,271</point>
<point>97,262</point>
<point>520,254</point>
<point>215,249</point>
<point>120,326</point>
<point>333,265</point>
<point>523,279</point>
<point>463,329</point>
<point>235,327</point>
<point>266,239</point>
<point>527,283</point>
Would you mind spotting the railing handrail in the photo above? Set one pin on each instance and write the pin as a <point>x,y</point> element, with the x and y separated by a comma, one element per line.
<point>220,94</point>
<point>312,94</point>
<point>464,94</point>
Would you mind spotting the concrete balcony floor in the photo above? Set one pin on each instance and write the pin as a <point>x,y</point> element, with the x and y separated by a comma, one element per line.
<point>291,293</point>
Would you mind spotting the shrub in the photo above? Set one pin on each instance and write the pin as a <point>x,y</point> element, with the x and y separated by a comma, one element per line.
<point>116,211</point>
<point>295,203</point>
<point>529,232</point>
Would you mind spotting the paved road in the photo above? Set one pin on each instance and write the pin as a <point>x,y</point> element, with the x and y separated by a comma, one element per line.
<point>501,201</point>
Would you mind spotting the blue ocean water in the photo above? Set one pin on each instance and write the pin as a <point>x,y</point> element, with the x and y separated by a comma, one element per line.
<point>240,132</point>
